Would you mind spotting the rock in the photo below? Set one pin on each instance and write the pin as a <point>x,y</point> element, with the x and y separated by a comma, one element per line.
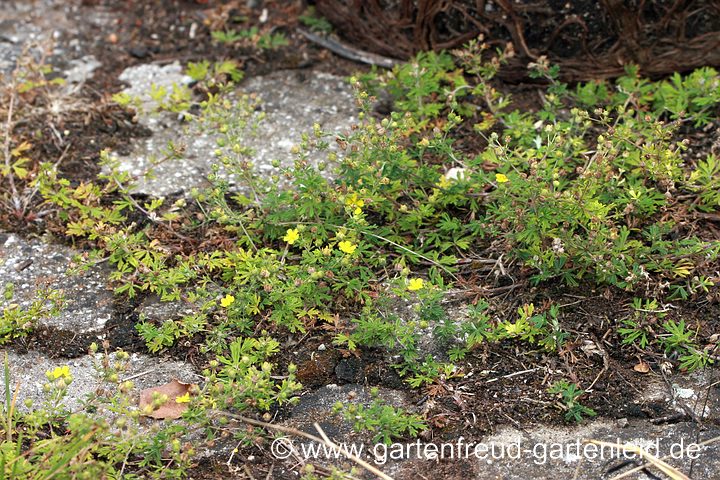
<point>139,52</point>
<point>291,104</point>
<point>155,310</point>
<point>81,70</point>
<point>32,264</point>
<point>317,406</point>
<point>293,101</point>
<point>25,23</point>
<point>29,370</point>
<point>141,78</point>
<point>550,452</point>
<point>349,370</point>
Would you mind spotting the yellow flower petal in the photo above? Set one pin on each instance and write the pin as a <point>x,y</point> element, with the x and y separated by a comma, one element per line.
<point>415,284</point>
<point>354,201</point>
<point>227,300</point>
<point>183,398</point>
<point>501,178</point>
<point>347,247</point>
<point>291,235</point>
<point>59,372</point>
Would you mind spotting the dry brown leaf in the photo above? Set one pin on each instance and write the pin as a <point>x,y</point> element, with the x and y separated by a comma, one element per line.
<point>642,367</point>
<point>170,409</point>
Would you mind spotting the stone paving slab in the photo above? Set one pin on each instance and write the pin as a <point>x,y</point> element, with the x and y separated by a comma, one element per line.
<point>33,264</point>
<point>46,26</point>
<point>547,452</point>
<point>292,102</point>
<point>551,453</point>
<point>29,370</point>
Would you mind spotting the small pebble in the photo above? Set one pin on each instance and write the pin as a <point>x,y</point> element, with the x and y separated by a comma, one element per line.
<point>139,52</point>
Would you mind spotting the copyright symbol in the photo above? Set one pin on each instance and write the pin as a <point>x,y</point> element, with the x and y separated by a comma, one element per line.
<point>282,448</point>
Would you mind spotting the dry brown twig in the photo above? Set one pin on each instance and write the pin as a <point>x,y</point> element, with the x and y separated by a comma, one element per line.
<point>664,467</point>
<point>299,433</point>
<point>648,464</point>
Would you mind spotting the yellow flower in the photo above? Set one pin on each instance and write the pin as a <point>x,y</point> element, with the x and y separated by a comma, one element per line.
<point>183,398</point>
<point>227,300</point>
<point>415,284</point>
<point>501,178</point>
<point>59,372</point>
<point>354,201</point>
<point>291,235</point>
<point>347,247</point>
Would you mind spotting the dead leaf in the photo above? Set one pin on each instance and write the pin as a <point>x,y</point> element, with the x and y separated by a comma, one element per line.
<point>171,409</point>
<point>590,348</point>
<point>642,367</point>
<point>435,390</point>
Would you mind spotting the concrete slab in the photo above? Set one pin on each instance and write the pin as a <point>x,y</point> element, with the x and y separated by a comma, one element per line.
<point>292,103</point>
<point>32,264</point>
<point>29,370</point>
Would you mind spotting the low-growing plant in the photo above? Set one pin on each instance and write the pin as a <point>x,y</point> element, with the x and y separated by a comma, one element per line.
<point>48,441</point>
<point>573,193</point>
<point>243,379</point>
<point>535,328</point>
<point>638,328</point>
<point>705,179</point>
<point>311,19</point>
<point>27,93</point>
<point>253,37</point>
<point>591,188</point>
<point>648,326</point>
<point>386,422</point>
<point>569,394</point>
<point>106,438</point>
<point>17,321</point>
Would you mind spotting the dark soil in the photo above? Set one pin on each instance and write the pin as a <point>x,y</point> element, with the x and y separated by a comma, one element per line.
<point>119,331</point>
<point>588,39</point>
